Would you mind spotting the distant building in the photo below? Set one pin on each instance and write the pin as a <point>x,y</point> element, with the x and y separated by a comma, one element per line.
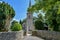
<point>28,24</point>
<point>24,26</point>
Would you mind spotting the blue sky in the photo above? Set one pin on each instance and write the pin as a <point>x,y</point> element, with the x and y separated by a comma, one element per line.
<point>20,7</point>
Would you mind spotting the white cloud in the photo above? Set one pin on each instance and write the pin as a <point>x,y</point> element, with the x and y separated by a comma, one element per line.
<point>15,19</point>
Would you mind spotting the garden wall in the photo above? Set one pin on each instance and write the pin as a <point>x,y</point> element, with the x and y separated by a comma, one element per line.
<point>49,35</point>
<point>15,35</point>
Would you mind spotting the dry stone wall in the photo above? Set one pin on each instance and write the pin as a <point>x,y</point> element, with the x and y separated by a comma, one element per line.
<point>16,35</point>
<point>52,35</point>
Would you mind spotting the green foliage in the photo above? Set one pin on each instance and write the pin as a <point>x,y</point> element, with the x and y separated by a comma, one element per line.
<point>6,15</point>
<point>14,22</point>
<point>24,20</point>
<point>38,21</point>
<point>16,26</point>
<point>39,25</point>
<point>21,22</point>
<point>52,10</point>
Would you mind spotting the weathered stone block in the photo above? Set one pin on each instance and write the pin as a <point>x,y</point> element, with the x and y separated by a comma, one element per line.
<point>15,35</point>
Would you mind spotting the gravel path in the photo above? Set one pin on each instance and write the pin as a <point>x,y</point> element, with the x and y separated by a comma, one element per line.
<point>32,38</point>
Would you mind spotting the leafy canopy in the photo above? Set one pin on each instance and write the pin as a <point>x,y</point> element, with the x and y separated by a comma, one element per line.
<point>6,15</point>
<point>51,8</point>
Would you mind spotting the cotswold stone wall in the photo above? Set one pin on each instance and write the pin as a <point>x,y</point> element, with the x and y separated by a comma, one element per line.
<point>15,35</point>
<point>49,35</point>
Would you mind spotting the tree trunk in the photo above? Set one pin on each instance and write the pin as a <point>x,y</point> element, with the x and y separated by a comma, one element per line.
<point>7,24</point>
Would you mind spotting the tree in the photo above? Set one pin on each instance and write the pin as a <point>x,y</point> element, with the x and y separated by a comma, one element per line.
<point>6,15</point>
<point>21,22</point>
<point>39,22</point>
<point>52,10</point>
<point>14,22</point>
<point>39,25</point>
<point>16,26</point>
<point>41,17</point>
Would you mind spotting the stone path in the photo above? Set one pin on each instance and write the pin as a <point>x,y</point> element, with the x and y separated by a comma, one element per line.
<point>32,38</point>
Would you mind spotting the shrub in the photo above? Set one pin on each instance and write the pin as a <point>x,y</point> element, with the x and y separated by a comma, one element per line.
<point>39,25</point>
<point>16,27</point>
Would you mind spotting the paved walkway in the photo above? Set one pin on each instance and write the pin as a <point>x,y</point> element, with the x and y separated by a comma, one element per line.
<point>32,38</point>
